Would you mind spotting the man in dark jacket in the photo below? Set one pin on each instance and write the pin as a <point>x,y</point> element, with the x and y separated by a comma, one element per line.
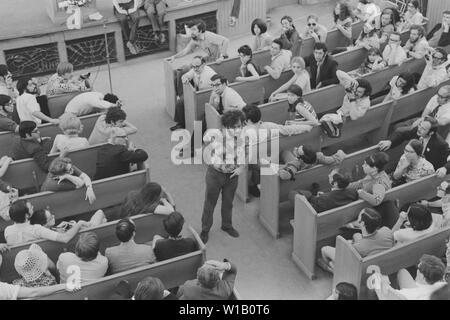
<point>115,157</point>
<point>322,67</point>
<point>439,36</point>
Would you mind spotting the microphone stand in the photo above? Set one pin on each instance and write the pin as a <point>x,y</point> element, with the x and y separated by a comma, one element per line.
<point>107,55</point>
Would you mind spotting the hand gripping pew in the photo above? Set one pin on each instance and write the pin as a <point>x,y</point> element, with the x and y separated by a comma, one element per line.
<point>312,230</point>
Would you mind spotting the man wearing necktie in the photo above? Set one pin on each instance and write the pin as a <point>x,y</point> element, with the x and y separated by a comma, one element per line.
<point>224,98</point>
<point>322,67</point>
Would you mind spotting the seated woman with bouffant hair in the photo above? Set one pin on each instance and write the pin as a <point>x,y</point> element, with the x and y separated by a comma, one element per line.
<point>63,81</point>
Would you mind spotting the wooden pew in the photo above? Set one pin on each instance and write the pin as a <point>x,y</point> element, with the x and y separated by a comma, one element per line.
<point>312,229</point>
<point>48,130</point>
<point>173,273</point>
<point>57,104</point>
<point>147,225</point>
<point>352,268</point>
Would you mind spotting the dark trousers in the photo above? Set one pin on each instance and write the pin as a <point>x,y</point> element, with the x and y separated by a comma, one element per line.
<point>128,34</point>
<point>43,103</point>
<point>236,9</point>
<point>217,182</point>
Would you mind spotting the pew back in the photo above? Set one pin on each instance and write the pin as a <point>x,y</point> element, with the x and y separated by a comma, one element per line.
<point>57,104</point>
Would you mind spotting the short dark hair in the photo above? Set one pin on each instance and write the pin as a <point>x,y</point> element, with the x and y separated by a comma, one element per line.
<point>288,18</point>
<point>245,50</point>
<point>434,124</point>
<point>415,3</point>
<point>252,113</point>
<point>87,246</point>
<point>39,217</point>
<point>419,217</point>
<point>22,85</point>
<point>377,160</point>
<point>112,98</point>
<point>279,42</point>
<point>309,155</point>
<point>372,219</point>
<point>222,79</point>
<point>320,46</point>
<point>410,81</point>
<point>115,114</point>
<point>419,28</point>
<point>443,293</point>
<point>173,224</point>
<point>417,146</point>
<point>432,268</point>
<point>443,52</point>
<point>363,83</point>
<point>3,70</point>
<point>261,25</point>
<point>341,180</point>
<point>346,291</point>
<point>231,118</point>
<point>149,288</point>
<point>26,128</point>
<point>125,229</point>
<point>200,24</point>
<point>18,211</point>
<point>4,100</point>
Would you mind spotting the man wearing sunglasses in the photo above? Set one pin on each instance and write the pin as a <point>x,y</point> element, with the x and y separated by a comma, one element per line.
<point>435,71</point>
<point>315,30</point>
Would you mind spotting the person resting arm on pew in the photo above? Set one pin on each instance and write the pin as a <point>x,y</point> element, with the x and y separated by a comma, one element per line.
<point>71,127</point>
<point>215,281</point>
<point>315,30</point>
<point>22,231</point>
<point>280,59</point>
<point>15,292</point>
<point>63,81</point>
<point>393,53</point>
<point>6,111</point>
<point>374,238</point>
<point>224,98</point>
<point>63,176</point>
<point>435,72</point>
<point>374,62</point>
<point>248,70</point>
<point>417,45</point>
<point>400,85</point>
<point>300,78</point>
<point>89,102</point>
<point>300,111</point>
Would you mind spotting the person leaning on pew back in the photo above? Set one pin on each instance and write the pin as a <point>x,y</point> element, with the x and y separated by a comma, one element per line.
<point>63,81</point>
<point>89,102</point>
<point>280,59</point>
<point>315,30</point>
<point>435,71</point>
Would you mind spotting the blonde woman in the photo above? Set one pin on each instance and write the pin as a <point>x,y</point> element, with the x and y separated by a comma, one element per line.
<point>71,127</point>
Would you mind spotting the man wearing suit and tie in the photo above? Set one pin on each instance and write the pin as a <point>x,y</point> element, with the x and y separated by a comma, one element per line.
<point>322,67</point>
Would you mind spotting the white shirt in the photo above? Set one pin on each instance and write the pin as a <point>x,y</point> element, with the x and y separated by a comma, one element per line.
<point>70,142</point>
<point>396,92</point>
<point>8,291</point>
<point>26,105</point>
<point>443,112</point>
<point>202,80</point>
<point>394,56</point>
<point>231,100</point>
<point>432,76</point>
<point>419,47</point>
<point>86,102</point>
<point>90,270</point>
<point>421,292</point>
<point>369,10</point>
<point>20,233</point>
<point>281,62</point>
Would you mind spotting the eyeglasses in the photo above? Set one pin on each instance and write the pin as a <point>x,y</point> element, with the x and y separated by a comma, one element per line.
<point>216,85</point>
<point>311,24</point>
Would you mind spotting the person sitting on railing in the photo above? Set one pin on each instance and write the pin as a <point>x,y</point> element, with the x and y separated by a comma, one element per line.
<point>156,10</point>
<point>315,30</point>
<point>71,127</point>
<point>401,85</point>
<point>224,98</point>
<point>322,67</point>
<point>151,288</point>
<point>64,82</point>
<point>92,264</point>
<point>248,70</point>
<point>280,59</point>
<point>386,24</point>
<point>215,281</point>
<point>435,72</point>
<point>109,124</point>
<point>393,53</point>
<point>343,20</point>
<point>22,231</point>
<point>116,156</point>
<point>289,35</point>
<point>90,102</point>
<point>261,40</point>
<point>301,78</point>
<point>125,11</point>
<point>63,176</point>
<point>128,254</point>
<point>175,245</point>
<point>417,45</point>
<point>412,16</point>
<point>27,106</point>
<point>374,62</point>
<point>439,36</point>
<point>6,111</point>
<point>374,238</point>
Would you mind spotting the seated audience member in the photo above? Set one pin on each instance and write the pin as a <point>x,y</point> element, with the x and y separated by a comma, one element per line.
<point>224,98</point>
<point>344,291</point>
<point>417,45</point>
<point>115,157</point>
<point>322,67</point>
<point>372,188</point>
<point>374,239</point>
<point>127,11</point>
<point>420,222</point>
<point>442,202</point>
<point>64,82</point>
<point>367,10</point>
<point>300,111</point>
<point>46,219</point>
<point>128,254</point>
<point>401,85</point>
<point>152,198</point>
<point>374,62</point>
<point>6,83</point>
<point>412,15</point>
<point>210,285</point>
<point>22,231</point>
<point>443,293</point>
<point>93,265</point>
<point>14,292</point>
<point>176,245</point>
<point>280,59</point>
<point>30,144</point>
<point>69,141</point>
<point>435,71</point>
<point>435,149</point>
<point>368,38</point>
<point>339,195</point>
<point>27,106</point>
<point>429,278</point>
<point>300,78</point>
<point>63,176</point>
<point>386,24</point>
<point>6,111</point>
<point>412,165</point>
<point>261,40</point>
<point>304,157</point>
<point>156,10</point>
<point>289,35</point>
<point>214,46</point>
<point>315,30</point>
<point>151,288</point>
<point>439,36</point>
<point>393,53</point>
<point>33,266</point>
<point>343,20</point>
<point>91,102</point>
<point>248,70</point>
<point>112,123</point>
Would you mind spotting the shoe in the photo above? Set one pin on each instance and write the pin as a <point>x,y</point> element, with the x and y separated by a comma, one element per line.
<point>231,231</point>
<point>254,191</point>
<point>324,265</point>
<point>132,48</point>
<point>162,38</point>
<point>204,237</point>
<point>176,127</point>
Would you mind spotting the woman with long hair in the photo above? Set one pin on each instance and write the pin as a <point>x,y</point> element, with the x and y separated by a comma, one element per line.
<point>400,85</point>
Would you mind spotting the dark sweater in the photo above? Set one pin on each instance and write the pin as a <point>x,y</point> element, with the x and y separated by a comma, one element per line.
<point>333,199</point>
<point>171,248</point>
<point>24,149</point>
<point>327,75</point>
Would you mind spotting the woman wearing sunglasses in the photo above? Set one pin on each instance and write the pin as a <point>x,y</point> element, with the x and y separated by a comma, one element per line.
<point>315,30</point>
